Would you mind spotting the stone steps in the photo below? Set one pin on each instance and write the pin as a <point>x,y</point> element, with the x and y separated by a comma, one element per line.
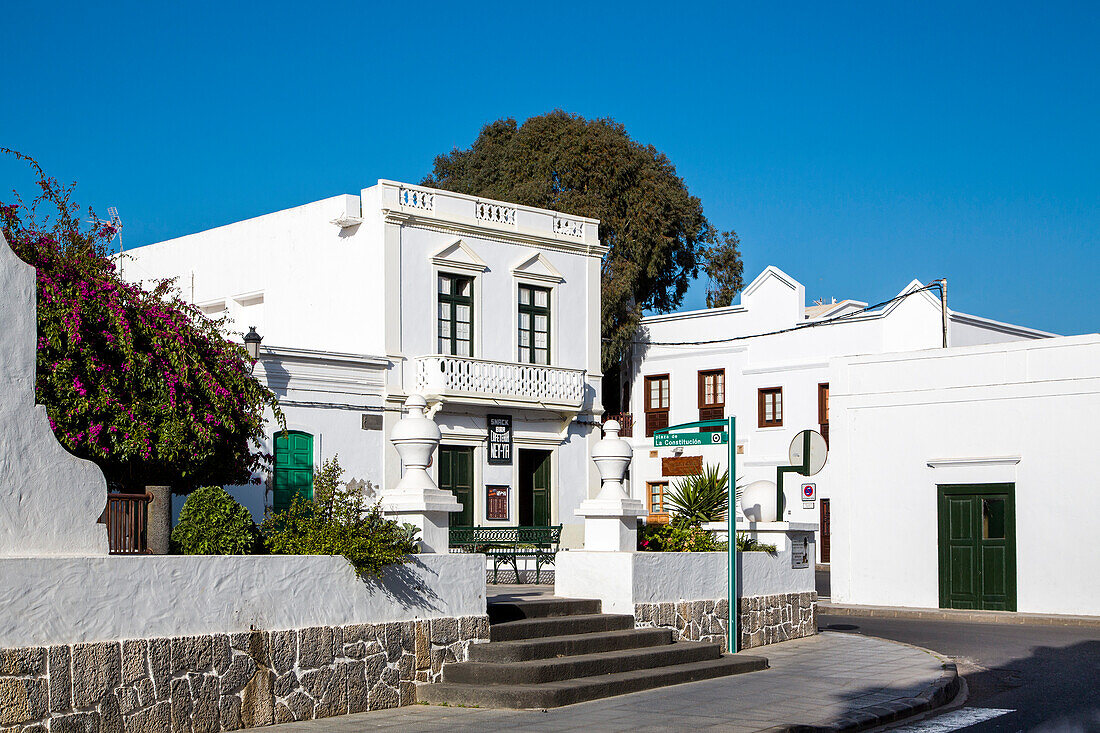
<point>551,652</point>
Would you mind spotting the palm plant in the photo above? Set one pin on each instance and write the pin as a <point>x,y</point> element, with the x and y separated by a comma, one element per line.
<point>702,497</point>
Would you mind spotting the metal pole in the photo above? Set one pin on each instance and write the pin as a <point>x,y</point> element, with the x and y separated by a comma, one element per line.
<point>943,307</point>
<point>732,596</point>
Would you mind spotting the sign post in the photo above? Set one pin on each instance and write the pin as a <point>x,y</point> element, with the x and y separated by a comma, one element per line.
<point>665,438</point>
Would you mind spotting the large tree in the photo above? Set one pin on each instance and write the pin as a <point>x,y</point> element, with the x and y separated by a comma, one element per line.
<point>655,229</point>
<point>140,382</point>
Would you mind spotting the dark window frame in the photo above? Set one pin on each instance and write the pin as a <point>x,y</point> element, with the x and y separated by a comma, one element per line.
<point>532,310</point>
<point>711,410</point>
<point>650,425</point>
<point>453,301</point>
<point>823,410</point>
<point>762,395</point>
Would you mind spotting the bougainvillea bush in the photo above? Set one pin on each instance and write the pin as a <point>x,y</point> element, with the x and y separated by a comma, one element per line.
<point>138,381</point>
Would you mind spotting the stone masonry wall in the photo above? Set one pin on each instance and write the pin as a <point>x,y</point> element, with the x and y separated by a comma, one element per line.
<point>220,682</point>
<point>763,619</point>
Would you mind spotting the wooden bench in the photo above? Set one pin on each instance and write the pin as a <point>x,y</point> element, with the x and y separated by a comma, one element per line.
<point>505,545</point>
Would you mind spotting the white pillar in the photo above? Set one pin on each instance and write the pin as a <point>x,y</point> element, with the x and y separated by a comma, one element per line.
<point>416,499</point>
<point>611,519</point>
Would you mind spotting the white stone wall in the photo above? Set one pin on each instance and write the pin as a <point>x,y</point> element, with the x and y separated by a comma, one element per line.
<point>1018,413</point>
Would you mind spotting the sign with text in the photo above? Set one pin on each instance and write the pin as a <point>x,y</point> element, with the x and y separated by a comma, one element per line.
<point>671,440</point>
<point>500,440</point>
<point>496,502</point>
<point>800,552</point>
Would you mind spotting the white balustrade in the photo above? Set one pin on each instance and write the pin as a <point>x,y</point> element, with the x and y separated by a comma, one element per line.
<point>497,213</point>
<point>416,199</point>
<point>458,376</point>
<point>568,227</point>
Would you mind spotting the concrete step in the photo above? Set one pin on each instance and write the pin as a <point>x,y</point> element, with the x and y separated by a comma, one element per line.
<point>570,645</point>
<point>502,611</point>
<point>537,628</point>
<point>567,692</point>
<point>537,671</point>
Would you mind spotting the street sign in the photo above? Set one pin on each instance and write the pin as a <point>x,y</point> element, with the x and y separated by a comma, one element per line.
<point>667,440</point>
<point>809,492</point>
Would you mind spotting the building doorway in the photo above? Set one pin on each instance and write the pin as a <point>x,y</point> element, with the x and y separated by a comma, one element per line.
<point>826,551</point>
<point>456,474</point>
<point>534,488</point>
<point>977,546</point>
<point>293,470</point>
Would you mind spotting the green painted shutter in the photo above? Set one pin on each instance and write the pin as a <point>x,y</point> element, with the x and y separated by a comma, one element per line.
<point>293,468</point>
<point>541,494</point>
<point>977,546</point>
<point>456,474</point>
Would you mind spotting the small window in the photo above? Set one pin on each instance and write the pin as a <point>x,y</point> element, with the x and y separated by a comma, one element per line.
<point>993,519</point>
<point>456,315</point>
<point>534,325</point>
<point>770,407</point>
<point>655,499</point>
<point>823,410</point>
<point>712,397</point>
<point>656,403</point>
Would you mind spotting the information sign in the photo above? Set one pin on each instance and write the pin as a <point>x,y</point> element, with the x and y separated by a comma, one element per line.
<point>496,502</point>
<point>668,440</point>
<point>500,440</point>
<point>800,552</point>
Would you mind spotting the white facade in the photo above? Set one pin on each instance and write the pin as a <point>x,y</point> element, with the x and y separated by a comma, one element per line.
<point>795,362</point>
<point>345,292</point>
<point>1021,415</point>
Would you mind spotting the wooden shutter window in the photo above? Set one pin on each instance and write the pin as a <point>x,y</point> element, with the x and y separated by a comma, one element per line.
<point>770,407</point>
<point>656,403</point>
<point>823,410</point>
<point>655,499</point>
<point>712,397</point>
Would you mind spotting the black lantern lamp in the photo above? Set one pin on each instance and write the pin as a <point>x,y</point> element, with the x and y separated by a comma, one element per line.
<point>252,343</point>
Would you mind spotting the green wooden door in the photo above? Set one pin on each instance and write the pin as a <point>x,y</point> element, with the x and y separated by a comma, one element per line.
<point>977,546</point>
<point>456,474</point>
<point>293,468</point>
<point>534,488</point>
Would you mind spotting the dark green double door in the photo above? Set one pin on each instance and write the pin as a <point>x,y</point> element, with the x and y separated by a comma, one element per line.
<point>977,546</point>
<point>456,474</point>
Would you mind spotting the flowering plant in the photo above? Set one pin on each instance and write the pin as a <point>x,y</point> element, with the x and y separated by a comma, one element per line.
<point>138,381</point>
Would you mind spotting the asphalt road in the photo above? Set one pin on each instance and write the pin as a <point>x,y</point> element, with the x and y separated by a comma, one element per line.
<point>1049,676</point>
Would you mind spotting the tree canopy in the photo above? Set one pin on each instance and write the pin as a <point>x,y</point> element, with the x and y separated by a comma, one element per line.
<point>654,228</point>
<point>140,382</point>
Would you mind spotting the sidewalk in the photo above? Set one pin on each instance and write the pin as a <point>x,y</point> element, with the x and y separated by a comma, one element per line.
<point>844,681</point>
<point>825,608</point>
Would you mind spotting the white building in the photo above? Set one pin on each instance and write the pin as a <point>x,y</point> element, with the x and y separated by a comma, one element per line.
<point>967,477</point>
<point>485,308</point>
<point>711,364</point>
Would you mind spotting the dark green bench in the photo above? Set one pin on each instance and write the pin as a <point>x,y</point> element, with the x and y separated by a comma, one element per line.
<point>505,545</point>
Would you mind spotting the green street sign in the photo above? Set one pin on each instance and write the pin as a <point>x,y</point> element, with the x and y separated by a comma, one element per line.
<point>666,440</point>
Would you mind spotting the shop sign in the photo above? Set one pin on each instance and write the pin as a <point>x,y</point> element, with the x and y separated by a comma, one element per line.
<point>500,440</point>
<point>496,502</point>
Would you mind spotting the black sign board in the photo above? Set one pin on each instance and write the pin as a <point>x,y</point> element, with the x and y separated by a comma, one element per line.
<point>500,440</point>
<point>497,502</point>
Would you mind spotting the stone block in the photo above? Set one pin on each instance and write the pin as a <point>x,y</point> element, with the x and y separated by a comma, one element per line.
<point>128,700</point>
<point>229,712</point>
<point>221,652</point>
<point>315,647</point>
<point>155,719</point>
<point>110,716</point>
<point>134,660</point>
<point>334,701</point>
<point>383,696</point>
<point>406,668</point>
<point>391,677</point>
<point>316,681</point>
<point>436,656</point>
<point>352,650</point>
<point>239,672</point>
<point>77,723</point>
<point>391,637</point>
<point>285,684</point>
<point>373,667</point>
<point>283,714</point>
<point>257,700</point>
<point>284,650</point>
<point>61,678</point>
<point>191,654</point>
<point>300,705</point>
<point>160,667</point>
<point>666,614</point>
<point>27,661</point>
<point>444,631</point>
<point>406,693</point>
<point>146,692</point>
<point>22,700</point>
<point>97,670</point>
<point>181,705</point>
<point>205,692</point>
<point>356,687</point>
<point>422,646</point>
<point>408,636</point>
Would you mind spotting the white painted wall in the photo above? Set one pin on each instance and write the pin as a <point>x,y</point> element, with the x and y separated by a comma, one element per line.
<point>72,600</point>
<point>1020,413</point>
<point>797,361</point>
<point>49,499</point>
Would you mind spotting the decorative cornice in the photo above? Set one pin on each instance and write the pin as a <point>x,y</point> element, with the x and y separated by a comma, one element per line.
<point>552,275</point>
<point>474,264</point>
<point>987,461</point>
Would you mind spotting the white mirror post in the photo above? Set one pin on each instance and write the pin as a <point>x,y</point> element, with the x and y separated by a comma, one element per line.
<point>611,519</point>
<point>416,499</point>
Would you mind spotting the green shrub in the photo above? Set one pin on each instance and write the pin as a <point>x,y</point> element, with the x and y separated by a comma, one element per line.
<point>748,544</point>
<point>213,523</point>
<point>339,522</point>
<point>677,537</point>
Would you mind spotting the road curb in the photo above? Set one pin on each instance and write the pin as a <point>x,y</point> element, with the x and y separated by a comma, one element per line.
<point>940,614</point>
<point>938,694</point>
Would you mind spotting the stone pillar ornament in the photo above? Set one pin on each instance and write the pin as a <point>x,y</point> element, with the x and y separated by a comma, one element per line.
<point>416,499</point>
<point>611,519</point>
<point>49,499</point>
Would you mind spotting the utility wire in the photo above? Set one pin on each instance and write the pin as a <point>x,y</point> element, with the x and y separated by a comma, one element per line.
<point>799,327</point>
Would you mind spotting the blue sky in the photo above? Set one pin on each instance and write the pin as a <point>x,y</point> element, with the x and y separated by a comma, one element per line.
<point>854,145</point>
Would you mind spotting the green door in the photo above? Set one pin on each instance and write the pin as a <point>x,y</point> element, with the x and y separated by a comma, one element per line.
<point>534,488</point>
<point>456,474</point>
<point>293,468</point>
<point>977,546</point>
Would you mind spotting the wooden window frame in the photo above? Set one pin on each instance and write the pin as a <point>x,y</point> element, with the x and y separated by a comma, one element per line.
<point>761,396</point>
<point>532,311</point>
<point>823,410</point>
<point>661,517</point>
<point>452,302</point>
<point>649,409</point>
<point>711,410</point>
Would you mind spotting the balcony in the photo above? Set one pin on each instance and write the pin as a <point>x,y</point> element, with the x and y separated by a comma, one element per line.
<point>478,381</point>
